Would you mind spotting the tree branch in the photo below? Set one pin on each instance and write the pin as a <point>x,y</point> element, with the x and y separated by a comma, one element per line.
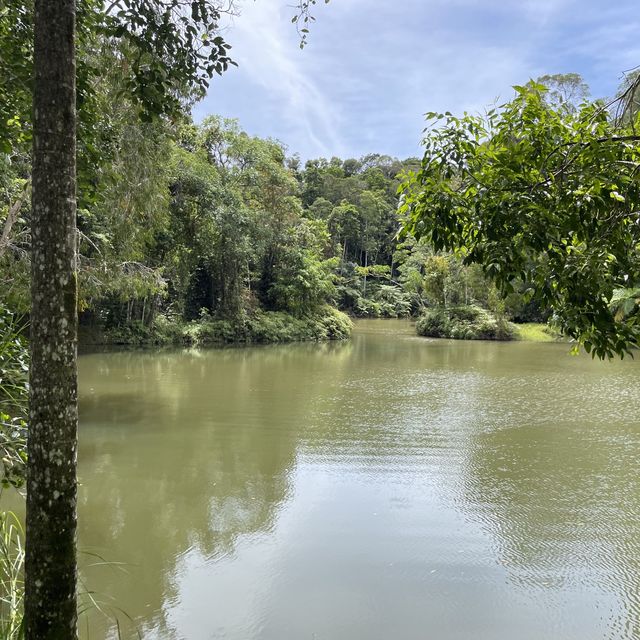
<point>12,216</point>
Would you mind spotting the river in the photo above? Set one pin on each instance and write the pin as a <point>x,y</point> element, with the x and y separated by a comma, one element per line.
<point>386,487</point>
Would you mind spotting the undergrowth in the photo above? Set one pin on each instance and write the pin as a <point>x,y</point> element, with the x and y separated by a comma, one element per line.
<point>257,327</point>
<point>464,323</point>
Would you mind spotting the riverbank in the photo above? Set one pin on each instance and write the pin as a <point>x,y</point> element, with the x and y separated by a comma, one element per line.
<point>265,327</point>
<point>536,332</point>
<point>258,327</point>
<point>475,323</point>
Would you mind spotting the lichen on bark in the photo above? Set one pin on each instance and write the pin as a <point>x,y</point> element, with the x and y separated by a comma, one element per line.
<point>50,566</point>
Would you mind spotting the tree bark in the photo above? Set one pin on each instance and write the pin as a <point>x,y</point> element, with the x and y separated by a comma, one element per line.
<point>50,569</point>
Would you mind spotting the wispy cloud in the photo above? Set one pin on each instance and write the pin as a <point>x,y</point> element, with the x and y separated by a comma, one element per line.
<point>275,85</point>
<point>373,67</point>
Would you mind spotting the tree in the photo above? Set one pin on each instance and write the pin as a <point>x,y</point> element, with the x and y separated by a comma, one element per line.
<point>50,565</point>
<point>542,195</point>
<point>565,90</point>
<point>176,55</point>
<point>628,98</point>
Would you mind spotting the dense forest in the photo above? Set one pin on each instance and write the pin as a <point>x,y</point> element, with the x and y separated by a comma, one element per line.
<point>200,232</point>
<point>121,214</point>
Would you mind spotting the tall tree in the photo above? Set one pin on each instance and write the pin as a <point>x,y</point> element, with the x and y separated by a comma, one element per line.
<point>176,56</point>
<point>628,98</point>
<point>50,568</point>
<point>565,91</point>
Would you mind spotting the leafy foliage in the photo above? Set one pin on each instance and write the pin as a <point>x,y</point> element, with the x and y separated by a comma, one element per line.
<point>177,45</point>
<point>541,195</point>
<point>464,323</point>
<point>303,19</point>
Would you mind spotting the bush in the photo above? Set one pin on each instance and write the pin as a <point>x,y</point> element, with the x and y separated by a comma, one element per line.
<point>256,327</point>
<point>464,323</point>
<point>367,308</point>
<point>337,325</point>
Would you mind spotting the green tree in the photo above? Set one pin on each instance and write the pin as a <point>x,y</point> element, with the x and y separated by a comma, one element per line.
<point>628,98</point>
<point>541,195</point>
<point>565,91</point>
<point>302,279</point>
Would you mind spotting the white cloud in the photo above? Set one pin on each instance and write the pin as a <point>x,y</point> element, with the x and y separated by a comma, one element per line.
<point>265,46</point>
<point>373,67</point>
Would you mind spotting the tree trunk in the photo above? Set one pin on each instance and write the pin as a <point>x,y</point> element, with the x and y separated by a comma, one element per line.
<point>366,264</point>
<point>12,216</point>
<point>50,569</point>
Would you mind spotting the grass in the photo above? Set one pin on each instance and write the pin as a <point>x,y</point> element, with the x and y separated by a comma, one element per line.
<point>536,332</point>
<point>11,576</point>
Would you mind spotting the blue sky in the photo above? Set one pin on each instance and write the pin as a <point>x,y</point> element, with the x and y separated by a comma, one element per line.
<point>373,67</point>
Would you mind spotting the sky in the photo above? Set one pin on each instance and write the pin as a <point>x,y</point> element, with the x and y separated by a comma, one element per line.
<point>372,68</point>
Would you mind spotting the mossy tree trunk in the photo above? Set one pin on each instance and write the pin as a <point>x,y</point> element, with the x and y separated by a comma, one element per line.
<point>50,570</point>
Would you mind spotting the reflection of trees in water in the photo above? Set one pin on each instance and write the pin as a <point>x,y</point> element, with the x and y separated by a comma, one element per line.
<point>562,504</point>
<point>196,450</point>
<point>181,451</point>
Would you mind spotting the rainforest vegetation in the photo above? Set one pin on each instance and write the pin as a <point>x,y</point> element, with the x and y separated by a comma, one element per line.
<point>197,232</point>
<point>202,233</point>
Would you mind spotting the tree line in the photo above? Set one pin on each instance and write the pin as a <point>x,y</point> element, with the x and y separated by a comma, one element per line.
<point>119,208</point>
<point>185,222</point>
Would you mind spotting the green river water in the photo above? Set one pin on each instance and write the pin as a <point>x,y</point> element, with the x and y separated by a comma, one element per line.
<point>390,487</point>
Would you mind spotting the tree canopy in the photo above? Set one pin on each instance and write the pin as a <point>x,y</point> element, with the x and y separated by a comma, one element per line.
<point>543,195</point>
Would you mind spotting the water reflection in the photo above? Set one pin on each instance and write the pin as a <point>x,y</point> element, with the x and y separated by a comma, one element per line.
<point>183,453</point>
<point>562,504</point>
<point>387,487</point>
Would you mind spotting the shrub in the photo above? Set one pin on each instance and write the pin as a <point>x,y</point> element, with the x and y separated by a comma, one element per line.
<point>256,327</point>
<point>464,323</point>
<point>337,325</point>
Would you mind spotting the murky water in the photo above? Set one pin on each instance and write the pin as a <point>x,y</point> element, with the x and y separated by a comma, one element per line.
<point>389,487</point>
